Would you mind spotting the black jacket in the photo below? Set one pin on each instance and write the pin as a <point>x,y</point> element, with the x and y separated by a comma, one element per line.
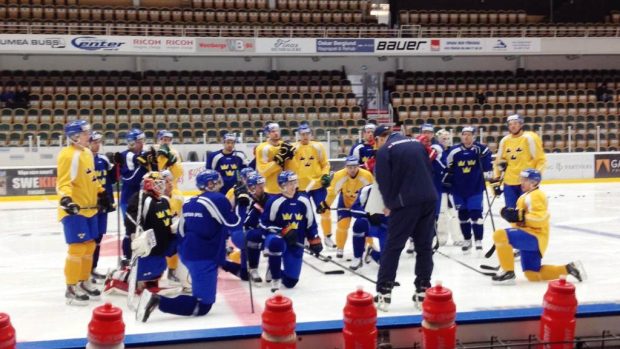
<point>156,215</point>
<point>404,174</point>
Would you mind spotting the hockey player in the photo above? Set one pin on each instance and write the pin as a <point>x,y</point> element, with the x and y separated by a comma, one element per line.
<point>366,226</point>
<point>168,158</point>
<point>175,201</point>
<point>530,235</point>
<point>517,151</point>
<point>202,233</point>
<point>468,165</point>
<point>365,150</point>
<point>227,161</point>
<point>447,223</point>
<point>147,210</point>
<point>80,196</point>
<point>272,157</point>
<point>288,220</point>
<point>311,165</point>
<point>243,176</point>
<point>106,175</point>
<point>346,182</point>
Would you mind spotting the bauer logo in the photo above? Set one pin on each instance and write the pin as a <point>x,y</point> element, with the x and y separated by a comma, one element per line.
<point>92,43</point>
<point>402,45</point>
<point>607,165</point>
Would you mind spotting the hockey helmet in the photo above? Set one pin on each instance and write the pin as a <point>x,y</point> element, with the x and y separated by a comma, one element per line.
<point>370,127</point>
<point>272,126</point>
<point>95,136</point>
<point>164,133</point>
<point>74,128</point>
<point>352,160</point>
<point>246,172</point>
<point>255,179</point>
<point>304,128</point>
<point>468,129</point>
<point>207,176</point>
<point>154,184</point>
<point>515,117</point>
<point>166,174</point>
<point>285,177</point>
<point>230,137</point>
<point>532,175</point>
<point>427,128</point>
<point>135,135</point>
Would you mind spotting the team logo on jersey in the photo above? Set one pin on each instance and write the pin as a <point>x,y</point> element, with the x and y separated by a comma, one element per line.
<point>229,173</point>
<point>81,235</point>
<point>224,167</point>
<point>167,222</point>
<point>287,216</point>
<point>160,214</point>
<point>299,216</point>
<point>233,166</point>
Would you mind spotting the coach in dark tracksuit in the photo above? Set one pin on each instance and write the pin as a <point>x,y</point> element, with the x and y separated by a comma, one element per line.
<point>404,175</point>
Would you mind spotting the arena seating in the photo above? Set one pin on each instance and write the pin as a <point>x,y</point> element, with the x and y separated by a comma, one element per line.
<point>551,101</point>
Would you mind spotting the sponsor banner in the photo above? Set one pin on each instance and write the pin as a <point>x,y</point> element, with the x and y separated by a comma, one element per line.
<point>345,45</point>
<point>285,45</point>
<point>513,45</point>
<point>607,165</point>
<point>219,45</point>
<point>569,166</point>
<point>163,44</point>
<point>87,43</point>
<point>28,181</point>
<point>33,42</point>
<point>402,46</point>
<point>485,45</point>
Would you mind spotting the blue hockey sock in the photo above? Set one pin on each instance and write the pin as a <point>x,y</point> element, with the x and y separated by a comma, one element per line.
<point>376,256</point>
<point>183,305</point>
<point>275,267</point>
<point>359,241</point>
<point>478,231</point>
<point>465,224</point>
<point>127,247</point>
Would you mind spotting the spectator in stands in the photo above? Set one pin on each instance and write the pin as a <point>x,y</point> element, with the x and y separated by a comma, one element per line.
<point>22,97</point>
<point>8,97</point>
<point>603,94</point>
<point>481,98</point>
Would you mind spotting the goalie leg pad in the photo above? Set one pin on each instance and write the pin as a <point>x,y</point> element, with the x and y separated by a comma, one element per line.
<point>151,268</point>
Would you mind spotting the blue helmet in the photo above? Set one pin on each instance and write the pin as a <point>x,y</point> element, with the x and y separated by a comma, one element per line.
<point>76,127</point>
<point>272,126</point>
<point>206,176</point>
<point>285,177</point>
<point>135,135</point>
<point>230,137</point>
<point>532,175</point>
<point>352,160</point>
<point>468,129</point>
<point>246,172</point>
<point>255,179</point>
<point>427,127</point>
<point>304,128</point>
<point>164,133</point>
<point>370,127</point>
<point>515,117</point>
<point>95,136</point>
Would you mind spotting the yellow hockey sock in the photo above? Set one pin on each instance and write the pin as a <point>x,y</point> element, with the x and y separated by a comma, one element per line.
<point>173,262</point>
<point>73,263</point>
<point>342,230</point>
<point>552,272</point>
<point>504,250</point>
<point>235,256</point>
<point>326,223</point>
<point>87,260</point>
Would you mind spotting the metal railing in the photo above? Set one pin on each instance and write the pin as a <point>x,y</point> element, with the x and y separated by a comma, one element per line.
<point>370,31</point>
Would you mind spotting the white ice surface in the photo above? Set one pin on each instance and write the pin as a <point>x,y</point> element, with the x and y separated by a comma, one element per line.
<point>585,220</point>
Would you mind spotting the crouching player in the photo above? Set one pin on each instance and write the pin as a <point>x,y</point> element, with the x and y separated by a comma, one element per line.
<point>203,230</point>
<point>287,221</point>
<point>530,235</point>
<point>366,226</point>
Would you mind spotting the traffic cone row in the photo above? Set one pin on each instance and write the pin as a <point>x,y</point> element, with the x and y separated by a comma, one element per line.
<point>557,325</point>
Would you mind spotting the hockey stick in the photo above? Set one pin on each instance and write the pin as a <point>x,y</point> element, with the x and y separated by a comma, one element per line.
<point>118,215</point>
<point>324,272</point>
<point>132,279</point>
<point>467,265</point>
<point>489,267</point>
<point>247,266</point>
<point>329,259</point>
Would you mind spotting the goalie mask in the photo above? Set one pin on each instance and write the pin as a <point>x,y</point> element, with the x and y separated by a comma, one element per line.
<point>154,184</point>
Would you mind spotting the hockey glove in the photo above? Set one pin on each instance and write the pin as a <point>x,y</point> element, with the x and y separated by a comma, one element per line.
<point>69,206</point>
<point>315,246</point>
<point>497,190</point>
<point>143,243</point>
<point>326,180</point>
<point>322,208</point>
<point>287,150</point>
<point>290,236</point>
<point>103,202</point>
<point>512,215</point>
<point>279,159</point>
<point>375,218</point>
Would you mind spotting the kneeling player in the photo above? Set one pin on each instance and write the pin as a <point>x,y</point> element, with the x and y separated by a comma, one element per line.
<point>366,226</point>
<point>147,210</point>
<point>530,235</point>
<point>203,230</point>
<point>288,219</point>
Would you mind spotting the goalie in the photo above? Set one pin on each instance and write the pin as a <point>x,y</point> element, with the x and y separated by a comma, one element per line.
<point>149,224</point>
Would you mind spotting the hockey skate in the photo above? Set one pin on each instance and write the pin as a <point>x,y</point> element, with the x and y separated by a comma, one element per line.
<point>255,277</point>
<point>75,296</point>
<point>368,255</point>
<point>458,243</point>
<point>148,302</point>
<point>356,263</point>
<point>97,277</point>
<point>339,253</point>
<point>505,278</point>
<point>90,289</point>
<point>172,277</point>
<point>410,247</point>
<point>328,242</point>
<point>478,244</point>
<point>276,284</point>
<point>418,296</point>
<point>268,275</point>
<point>466,248</point>
<point>576,270</point>
<point>383,300</point>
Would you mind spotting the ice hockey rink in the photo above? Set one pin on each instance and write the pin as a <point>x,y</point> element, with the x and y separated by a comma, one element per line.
<point>584,226</point>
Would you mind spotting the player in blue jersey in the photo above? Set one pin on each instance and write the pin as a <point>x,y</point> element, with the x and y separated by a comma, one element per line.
<point>107,177</point>
<point>365,150</point>
<point>366,226</point>
<point>227,162</point>
<point>203,229</point>
<point>287,221</point>
<point>135,163</point>
<point>468,165</point>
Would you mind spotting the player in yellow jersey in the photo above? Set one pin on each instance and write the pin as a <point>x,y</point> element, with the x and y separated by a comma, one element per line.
<point>311,165</point>
<point>80,195</point>
<point>346,182</point>
<point>168,158</point>
<point>530,235</point>
<point>175,199</point>
<point>272,157</point>
<point>516,152</point>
